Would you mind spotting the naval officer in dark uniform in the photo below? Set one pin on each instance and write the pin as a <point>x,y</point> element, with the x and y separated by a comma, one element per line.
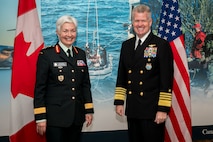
<point>63,100</point>
<point>144,81</point>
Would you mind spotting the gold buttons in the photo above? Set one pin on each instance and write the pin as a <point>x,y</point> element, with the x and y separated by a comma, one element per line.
<point>141,71</point>
<point>73,80</point>
<point>73,89</point>
<point>130,92</point>
<point>60,70</point>
<point>149,60</point>
<point>141,93</point>
<point>129,71</point>
<point>129,82</point>
<point>140,83</point>
<point>72,71</point>
<point>73,97</point>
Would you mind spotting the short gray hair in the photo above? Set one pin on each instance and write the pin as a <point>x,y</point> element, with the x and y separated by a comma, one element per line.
<point>65,19</point>
<point>141,9</point>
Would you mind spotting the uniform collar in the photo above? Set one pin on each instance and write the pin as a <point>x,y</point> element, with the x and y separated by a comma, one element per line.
<point>143,38</point>
<point>64,48</point>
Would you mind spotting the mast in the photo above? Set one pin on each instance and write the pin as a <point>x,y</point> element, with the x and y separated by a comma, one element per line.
<point>87,26</point>
<point>96,14</point>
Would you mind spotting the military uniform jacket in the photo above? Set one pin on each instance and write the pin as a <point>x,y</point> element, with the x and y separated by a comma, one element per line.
<point>145,77</point>
<point>62,89</point>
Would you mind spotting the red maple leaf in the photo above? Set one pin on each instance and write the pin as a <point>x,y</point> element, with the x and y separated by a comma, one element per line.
<point>24,67</point>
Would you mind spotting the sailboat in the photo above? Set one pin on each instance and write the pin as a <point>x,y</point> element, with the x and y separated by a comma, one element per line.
<point>99,62</point>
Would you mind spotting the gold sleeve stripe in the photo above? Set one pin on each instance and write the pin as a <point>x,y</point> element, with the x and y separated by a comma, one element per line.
<point>40,110</point>
<point>120,93</point>
<point>120,90</point>
<point>119,97</point>
<point>165,99</point>
<point>88,105</point>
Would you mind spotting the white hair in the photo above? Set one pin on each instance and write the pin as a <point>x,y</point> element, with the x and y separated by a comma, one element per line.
<point>65,19</point>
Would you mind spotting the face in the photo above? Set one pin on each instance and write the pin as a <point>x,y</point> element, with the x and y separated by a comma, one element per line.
<point>141,23</point>
<point>67,34</point>
<point>197,29</point>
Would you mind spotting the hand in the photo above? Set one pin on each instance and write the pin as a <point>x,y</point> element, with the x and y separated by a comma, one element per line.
<point>119,110</point>
<point>160,117</point>
<point>88,118</point>
<point>41,127</point>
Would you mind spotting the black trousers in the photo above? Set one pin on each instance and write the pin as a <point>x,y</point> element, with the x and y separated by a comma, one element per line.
<point>145,130</point>
<point>64,134</point>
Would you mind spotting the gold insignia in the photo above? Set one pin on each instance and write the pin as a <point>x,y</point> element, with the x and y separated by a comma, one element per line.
<point>152,45</point>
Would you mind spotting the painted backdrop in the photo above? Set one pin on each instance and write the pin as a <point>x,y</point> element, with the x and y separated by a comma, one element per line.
<point>113,19</point>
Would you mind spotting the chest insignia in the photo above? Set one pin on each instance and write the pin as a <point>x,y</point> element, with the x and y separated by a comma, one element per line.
<point>150,51</point>
<point>148,66</point>
<point>61,78</point>
<point>81,63</point>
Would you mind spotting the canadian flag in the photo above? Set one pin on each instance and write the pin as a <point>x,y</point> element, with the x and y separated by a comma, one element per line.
<point>28,42</point>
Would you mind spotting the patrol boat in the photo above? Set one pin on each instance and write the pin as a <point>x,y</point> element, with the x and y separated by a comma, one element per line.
<point>99,62</point>
<point>6,57</point>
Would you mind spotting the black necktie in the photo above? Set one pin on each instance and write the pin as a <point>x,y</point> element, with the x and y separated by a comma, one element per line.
<point>69,53</point>
<point>139,43</point>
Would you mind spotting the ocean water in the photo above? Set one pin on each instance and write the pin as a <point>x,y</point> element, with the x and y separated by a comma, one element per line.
<point>112,16</point>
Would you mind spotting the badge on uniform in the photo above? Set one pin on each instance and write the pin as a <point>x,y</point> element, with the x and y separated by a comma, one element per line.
<point>150,51</point>
<point>61,78</point>
<point>148,66</point>
<point>81,63</point>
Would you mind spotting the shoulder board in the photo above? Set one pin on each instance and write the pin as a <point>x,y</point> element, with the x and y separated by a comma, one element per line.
<point>48,47</point>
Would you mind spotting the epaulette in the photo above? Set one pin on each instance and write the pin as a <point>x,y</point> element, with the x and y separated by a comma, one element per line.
<point>57,48</point>
<point>48,47</point>
<point>45,48</point>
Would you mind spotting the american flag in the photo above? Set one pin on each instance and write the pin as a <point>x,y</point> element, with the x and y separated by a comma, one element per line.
<point>178,124</point>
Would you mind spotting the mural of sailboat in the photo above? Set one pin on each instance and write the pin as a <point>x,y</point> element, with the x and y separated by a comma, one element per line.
<point>99,62</point>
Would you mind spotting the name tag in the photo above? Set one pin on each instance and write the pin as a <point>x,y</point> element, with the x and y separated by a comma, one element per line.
<point>60,64</point>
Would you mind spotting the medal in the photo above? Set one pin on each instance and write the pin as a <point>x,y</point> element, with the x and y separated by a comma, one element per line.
<point>148,66</point>
<point>150,51</point>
